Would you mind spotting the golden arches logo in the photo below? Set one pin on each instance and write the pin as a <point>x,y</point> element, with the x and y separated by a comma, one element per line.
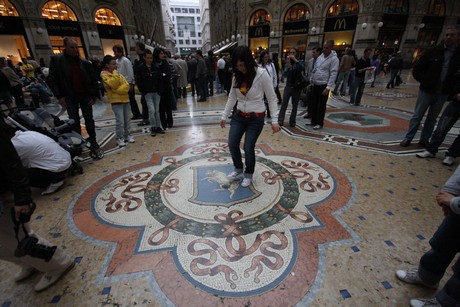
<point>341,23</point>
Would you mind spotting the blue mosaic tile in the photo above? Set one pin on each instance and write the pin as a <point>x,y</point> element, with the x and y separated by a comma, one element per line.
<point>345,293</point>
<point>386,285</point>
<point>412,173</point>
<point>370,178</point>
<point>390,191</point>
<point>39,217</point>
<point>365,194</point>
<point>106,290</point>
<point>436,186</point>
<point>413,189</point>
<point>105,171</point>
<point>6,304</point>
<point>78,259</point>
<point>389,243</point>
<point>56,199</point>
<point>416,209</point>
<point>362,218</point>
<point>390,213</point>
<point>56,235</point>
<point>55,299</point>
<point>355,248</point>
<point>391,176</point>
<point>372,164</point>
<point>420,237</point>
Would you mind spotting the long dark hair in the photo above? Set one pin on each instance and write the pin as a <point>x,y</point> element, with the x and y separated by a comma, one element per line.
<point>156,54</point>
<point>244,54</point>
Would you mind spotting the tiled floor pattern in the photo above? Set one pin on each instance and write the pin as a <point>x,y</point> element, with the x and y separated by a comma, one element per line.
<point>326,222</point>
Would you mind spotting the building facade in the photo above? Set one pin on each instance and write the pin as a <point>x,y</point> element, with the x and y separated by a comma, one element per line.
<point>388,26</point>
<point>37,28</point>
<point>187,20</point>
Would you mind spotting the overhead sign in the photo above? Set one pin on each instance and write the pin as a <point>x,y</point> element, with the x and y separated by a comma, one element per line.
<point>106,31</point>
<point>295,27</point>
<point>62,27</point>
<point>342,23</point>
<point>259,31</point>
<point>11,25</point>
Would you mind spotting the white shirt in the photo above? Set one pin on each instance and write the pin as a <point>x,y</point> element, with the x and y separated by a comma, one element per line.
<point>325,70</point>
<point>221,64</point>
<point>254,99</point>
<point>270,68</point>
<point>37,150</point>
<point>125,68</point>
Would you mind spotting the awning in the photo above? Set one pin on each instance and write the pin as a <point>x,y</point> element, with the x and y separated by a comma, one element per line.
<point>225,48</point>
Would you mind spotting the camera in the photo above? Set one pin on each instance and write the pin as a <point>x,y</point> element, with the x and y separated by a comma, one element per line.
<point>29,246</point>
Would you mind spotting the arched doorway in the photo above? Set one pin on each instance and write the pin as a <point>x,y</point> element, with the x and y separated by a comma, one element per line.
<point>259,31</point>
<point>394,22</point>
<point>13,43</point>
<point>430,28</point>
<point>341,21</point>
<point>61,21</point>
<point>295,30</point>
<point>110,30</point>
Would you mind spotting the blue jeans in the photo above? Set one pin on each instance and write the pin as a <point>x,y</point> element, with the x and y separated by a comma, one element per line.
<point>445,245</point>
<point>153,104</point>
<point>251,127</point>
<point>357,93</point>
<point>425,101</point>
<point>294,94</point>
<point>448,119</point>
<point>343,76</point>
<point>122,113</point>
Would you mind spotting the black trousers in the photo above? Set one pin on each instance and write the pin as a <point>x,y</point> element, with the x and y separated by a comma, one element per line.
<point>41,178</point>
<point>133,104</point>
<point>318,105</point>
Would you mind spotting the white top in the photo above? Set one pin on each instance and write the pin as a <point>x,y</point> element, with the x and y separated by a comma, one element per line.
<point>254,99</point>
<point>125,68</point>
<point>37,150</point>
<point>325,70</point>
<point>221,64</point>
<point>270,68</point>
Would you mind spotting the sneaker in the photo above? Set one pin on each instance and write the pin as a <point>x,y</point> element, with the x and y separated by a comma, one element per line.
<point>24,274</point>
<point>448,160</point>
<point>129,139</point>
<point>411,277</point>
<point>153,132</point>
<point>423,302</point>
<point>317,127</point>
<point>50,278</point>
<point>425,154</point>
<point>159,130</point>
<point>234,176</point>
<point>53,187</point>
<point>121,143</point>
<point>246,182</point>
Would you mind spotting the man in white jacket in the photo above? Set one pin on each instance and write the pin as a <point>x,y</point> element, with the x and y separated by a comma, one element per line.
<point>323,80</point>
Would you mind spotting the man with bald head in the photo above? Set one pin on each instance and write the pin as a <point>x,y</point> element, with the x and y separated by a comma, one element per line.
<point>74,82</point>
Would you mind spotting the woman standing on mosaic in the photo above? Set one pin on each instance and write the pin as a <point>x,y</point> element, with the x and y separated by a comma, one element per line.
<point>117,89</point>
<point>250,85</point>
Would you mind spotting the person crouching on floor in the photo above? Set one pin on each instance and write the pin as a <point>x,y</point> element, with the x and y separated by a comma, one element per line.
<point>117,89</point>
<point>45,161</point>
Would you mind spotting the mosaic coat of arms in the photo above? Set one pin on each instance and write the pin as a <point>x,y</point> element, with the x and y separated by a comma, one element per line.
<point>226,240</point>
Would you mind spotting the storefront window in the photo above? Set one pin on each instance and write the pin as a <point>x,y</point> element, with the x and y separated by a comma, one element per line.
<point>260,17</point>
<point>106,16</point>
<point>343,7</point>
<point>57,43</point>
<point>7,9</point>
<point>58,10</point>
<point>396,7</point>
<point>297,12</point>
<point>436,8</point>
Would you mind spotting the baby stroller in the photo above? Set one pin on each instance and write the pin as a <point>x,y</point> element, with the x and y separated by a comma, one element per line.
<point>42,121</point>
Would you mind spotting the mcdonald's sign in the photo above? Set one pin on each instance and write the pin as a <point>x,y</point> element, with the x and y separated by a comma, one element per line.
<point>335,24</point>
<point>259,31</point>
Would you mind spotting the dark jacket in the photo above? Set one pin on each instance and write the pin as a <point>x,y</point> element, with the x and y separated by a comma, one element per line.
<point>294,76</point>
<point>60,79</point>
<point>191,69</point>
<point>12,175</point>
<point>149,80</point>
<point>427,70</point>
<point>210,66</point>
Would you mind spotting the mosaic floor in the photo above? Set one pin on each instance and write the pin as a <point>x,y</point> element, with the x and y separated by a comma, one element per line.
<point>329,217</point>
